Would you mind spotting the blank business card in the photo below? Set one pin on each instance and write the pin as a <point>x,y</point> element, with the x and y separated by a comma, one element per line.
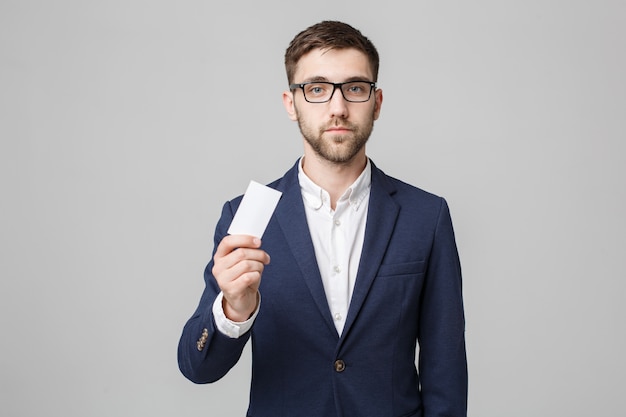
<point>255,210</point>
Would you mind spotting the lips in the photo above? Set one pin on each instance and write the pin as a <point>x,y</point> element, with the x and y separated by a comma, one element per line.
<point>338,129</point>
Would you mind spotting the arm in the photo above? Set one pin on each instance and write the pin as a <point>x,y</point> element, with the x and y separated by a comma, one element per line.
<point>204,353</point>
<point>442,360</point>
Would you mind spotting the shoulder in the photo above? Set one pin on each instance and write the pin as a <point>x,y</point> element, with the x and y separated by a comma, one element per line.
<point>403,192</point>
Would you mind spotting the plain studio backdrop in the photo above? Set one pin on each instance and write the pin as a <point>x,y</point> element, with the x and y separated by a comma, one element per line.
<point>125,125</point>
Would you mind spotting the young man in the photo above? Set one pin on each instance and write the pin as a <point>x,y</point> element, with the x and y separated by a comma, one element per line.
<point>364,267</point>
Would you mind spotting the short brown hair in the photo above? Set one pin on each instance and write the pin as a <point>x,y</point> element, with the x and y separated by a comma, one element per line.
<point>329,35</point>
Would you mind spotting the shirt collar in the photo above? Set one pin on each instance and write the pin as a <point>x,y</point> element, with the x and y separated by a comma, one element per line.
<point>316,197</point>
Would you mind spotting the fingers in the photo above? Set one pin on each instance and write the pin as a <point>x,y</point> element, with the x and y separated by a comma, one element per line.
<point>231,242</point>
<point>238,254</point>
<point>238,264</point>
<point>239,276</point>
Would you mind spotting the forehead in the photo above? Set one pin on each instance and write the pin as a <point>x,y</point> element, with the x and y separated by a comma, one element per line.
<point>334,65</point>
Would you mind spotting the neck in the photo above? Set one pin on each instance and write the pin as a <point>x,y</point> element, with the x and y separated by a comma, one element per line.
<point>333,177</point>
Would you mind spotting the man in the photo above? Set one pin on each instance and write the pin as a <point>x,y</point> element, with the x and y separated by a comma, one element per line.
<point>364,267</point>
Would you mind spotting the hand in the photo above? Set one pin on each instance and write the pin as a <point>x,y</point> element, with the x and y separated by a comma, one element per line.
<point>237,266</point>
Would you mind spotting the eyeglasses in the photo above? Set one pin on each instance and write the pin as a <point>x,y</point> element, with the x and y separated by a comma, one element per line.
<point>321,91</point>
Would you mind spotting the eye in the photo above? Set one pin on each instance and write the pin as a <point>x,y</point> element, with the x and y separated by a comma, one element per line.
<point>357,90</point>
<point>317,89</point>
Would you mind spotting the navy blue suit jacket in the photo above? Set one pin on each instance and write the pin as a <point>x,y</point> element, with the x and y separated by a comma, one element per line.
<point>407,297</point>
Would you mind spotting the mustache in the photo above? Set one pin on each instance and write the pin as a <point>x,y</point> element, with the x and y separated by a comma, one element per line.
<point>339,123</point>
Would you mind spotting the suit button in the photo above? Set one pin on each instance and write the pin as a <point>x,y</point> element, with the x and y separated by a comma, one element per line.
<point>340,365</point>
<point>202,341</point>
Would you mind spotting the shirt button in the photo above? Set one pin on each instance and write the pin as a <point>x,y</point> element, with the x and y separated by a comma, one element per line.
<point>337,269</point>
<point>337,316</point>
<point>340,365</point>
<point>337,222</point>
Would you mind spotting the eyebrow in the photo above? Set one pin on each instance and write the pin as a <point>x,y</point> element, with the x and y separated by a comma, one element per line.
<point>324,79</point>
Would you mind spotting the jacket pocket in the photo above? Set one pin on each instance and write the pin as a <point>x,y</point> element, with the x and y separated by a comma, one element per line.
<point>405,268</point>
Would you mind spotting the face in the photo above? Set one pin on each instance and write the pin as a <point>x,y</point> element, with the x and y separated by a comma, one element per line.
<point>335,131</point>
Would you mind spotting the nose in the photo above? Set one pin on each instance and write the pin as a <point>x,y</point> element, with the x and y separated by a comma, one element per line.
<point>338,105</point>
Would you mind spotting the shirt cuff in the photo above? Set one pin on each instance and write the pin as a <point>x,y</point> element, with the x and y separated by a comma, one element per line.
<point>232,329</point>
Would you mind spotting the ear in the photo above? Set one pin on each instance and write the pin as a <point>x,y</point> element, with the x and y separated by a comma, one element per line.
<point>289,105</point>
<point>378,97</point>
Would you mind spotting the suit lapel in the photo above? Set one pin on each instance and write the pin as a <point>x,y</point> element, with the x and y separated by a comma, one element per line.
<point>381,219</point>
<point>291,217</point>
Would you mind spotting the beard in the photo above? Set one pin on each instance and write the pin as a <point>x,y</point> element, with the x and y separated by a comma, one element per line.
<point>336,148</point>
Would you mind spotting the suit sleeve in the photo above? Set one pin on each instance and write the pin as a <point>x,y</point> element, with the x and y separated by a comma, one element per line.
<point>442,356</point>
<point>204,353</point>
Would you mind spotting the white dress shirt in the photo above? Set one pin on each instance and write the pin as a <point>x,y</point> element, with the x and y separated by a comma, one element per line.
<point>337,239</point>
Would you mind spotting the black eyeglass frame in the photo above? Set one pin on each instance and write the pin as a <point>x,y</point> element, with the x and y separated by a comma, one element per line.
<point>372,85</point>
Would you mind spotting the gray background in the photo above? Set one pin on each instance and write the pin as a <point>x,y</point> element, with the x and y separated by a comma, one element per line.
<point>125,125</point>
